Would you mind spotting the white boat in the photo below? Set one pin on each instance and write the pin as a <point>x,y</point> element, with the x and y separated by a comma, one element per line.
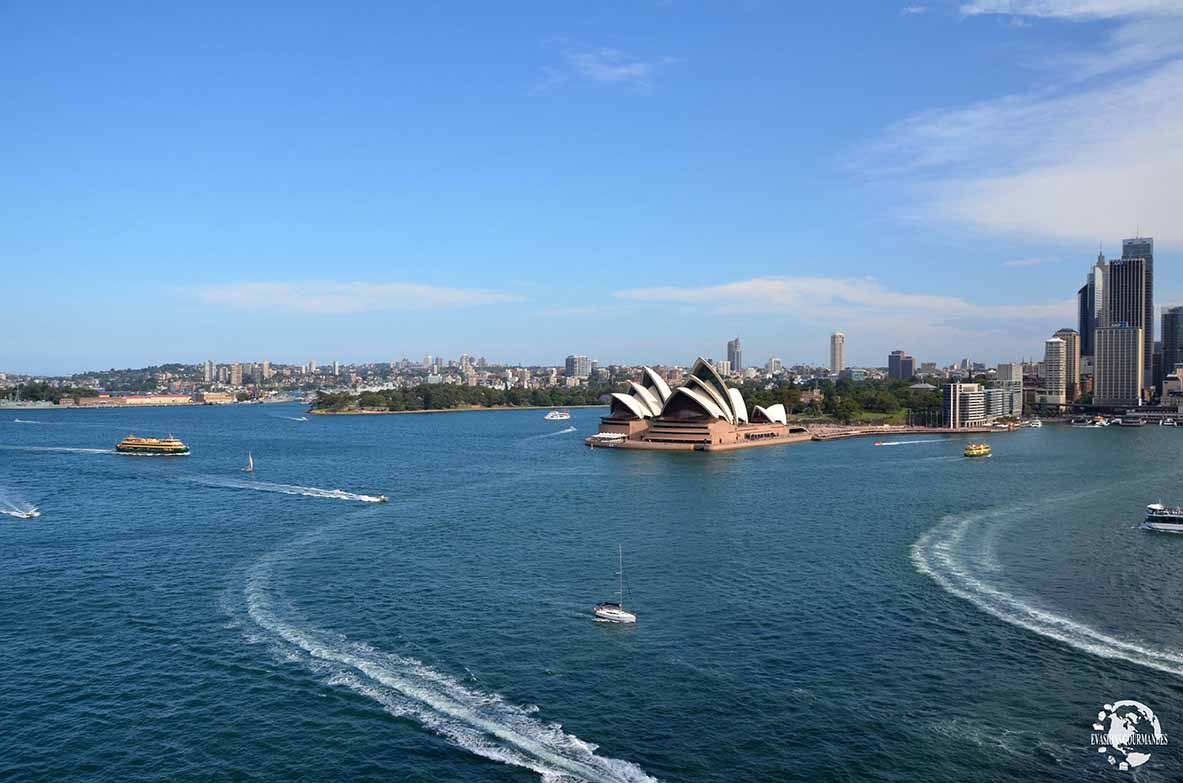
<point>250,464</point>
<point>1168,519</point>
<point>1035,423</point>
<point>614,611</point>
<point>557,415</point>
<point>1167,423</point>
<point>29,513</point>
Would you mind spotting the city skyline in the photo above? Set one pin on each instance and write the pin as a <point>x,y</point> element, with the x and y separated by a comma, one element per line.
<point>300,208</point>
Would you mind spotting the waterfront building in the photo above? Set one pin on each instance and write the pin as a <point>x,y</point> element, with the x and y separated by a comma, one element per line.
<point>1009,377</point>
<point>1055,361</point>
<point>1071,340</point>
<point>969,405</point>
<point>735,355</point>
<point>837,352</point>
<point>701,414</point>
<point>1129,294</point>
<point>1172,339</point>
<point>1119,376</point>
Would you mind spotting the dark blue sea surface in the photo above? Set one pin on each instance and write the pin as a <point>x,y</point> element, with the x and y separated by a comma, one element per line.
<point>834,611</point>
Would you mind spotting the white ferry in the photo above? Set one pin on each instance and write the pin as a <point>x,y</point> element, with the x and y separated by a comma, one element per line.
<point>557,415</point>
<point>1168,519</point>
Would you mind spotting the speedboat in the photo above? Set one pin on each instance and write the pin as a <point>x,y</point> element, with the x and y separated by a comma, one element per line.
<point>1035,423</point>
<point>30,514</point>
<point>1168,519</point>
<point>557,415</point>
<point>383,499</point>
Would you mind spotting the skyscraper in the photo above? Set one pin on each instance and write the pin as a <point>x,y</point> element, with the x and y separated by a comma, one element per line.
<point>578,366</point>
<point>266,369</point>
<point>1090,305</point>
<point>1055,379</point>
<point>1126,289</point>
<point>1119,371</point>
<point>1071,363</point>
<point>236,374</point>
<point>1172,338</point>
<point>837,352</point>
<point>208,375</point>
<point>895,361</point>
<point>735,355</point>
<point>1143,248</point>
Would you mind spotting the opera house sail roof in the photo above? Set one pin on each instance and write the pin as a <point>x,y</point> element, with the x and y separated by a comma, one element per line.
<point>705,396</point>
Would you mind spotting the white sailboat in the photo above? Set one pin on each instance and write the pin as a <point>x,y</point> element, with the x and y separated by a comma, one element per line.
<point>614,611</point>
<point>250,464</point>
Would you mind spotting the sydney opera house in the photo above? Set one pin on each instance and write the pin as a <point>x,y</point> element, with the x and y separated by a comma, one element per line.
<point>703,414</point>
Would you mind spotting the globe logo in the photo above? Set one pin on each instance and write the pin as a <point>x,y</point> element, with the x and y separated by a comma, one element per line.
<point>1125,731</point>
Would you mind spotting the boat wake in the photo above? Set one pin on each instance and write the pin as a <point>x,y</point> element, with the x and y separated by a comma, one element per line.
<point>286,489</point>
<point>25,421</point>
<point>479,722</point>
<point>16,507</point>
<point>566,431</point>
<point>65,449</point>
<point>908,442</point>
<point>948,557</point>
<point>296,418</point>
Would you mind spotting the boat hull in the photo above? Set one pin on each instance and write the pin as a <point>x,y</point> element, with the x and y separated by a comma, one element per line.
<point>147,451</point>
<point>615,616</point>
<point>1163,526</point>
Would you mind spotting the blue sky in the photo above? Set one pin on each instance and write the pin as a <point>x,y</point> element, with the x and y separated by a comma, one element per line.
<point>635,181</point>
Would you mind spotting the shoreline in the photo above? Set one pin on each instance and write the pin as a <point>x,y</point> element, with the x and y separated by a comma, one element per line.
<point>459,409</point>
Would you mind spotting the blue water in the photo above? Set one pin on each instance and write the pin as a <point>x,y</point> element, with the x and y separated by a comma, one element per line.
<point>813,612</point>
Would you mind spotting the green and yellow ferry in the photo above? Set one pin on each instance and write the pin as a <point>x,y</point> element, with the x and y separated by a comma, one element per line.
<point>164,447</point>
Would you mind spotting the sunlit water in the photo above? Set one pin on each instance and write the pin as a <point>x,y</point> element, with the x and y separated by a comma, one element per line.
<point>832,611</point>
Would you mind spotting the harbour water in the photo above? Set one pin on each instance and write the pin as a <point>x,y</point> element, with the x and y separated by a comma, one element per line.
<point>832,611</point>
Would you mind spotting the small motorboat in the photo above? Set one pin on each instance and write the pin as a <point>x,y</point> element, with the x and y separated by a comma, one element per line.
<point>30,514</point>
<point>383,499</point>
<point>1035,423</point>
<point>877,443</point>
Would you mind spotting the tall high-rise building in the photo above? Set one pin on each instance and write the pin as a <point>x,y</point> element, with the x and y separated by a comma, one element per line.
<point>907,367</point>
<point>1055,361</point>
<point>895,361</point>
<point>1172,339</point>
<point>735,355</point>
<point>773,365</point>
<point>336,368</point>
<point>266,369</point>
<point>1071,363</point>
<point>236,374</point>
<point>1143,248</point>
<point>1119,374</point>
<point>208,375</point>
<point>837,352</point>
<point>1126,289</point>
<point>1009,377</point>
<point>1090,306</point>
<point>578,366</point>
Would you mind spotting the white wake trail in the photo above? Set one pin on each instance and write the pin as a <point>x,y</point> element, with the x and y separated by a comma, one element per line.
<point>64,449</point>
<point>481,723</point>
<point>938,554</point>
<point>285,489</point>
<point>566,431</point>
<point>909,442</point>
<point>25,421</point>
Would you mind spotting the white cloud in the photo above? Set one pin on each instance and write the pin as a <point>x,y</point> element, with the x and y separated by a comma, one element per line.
<point>912,10</point>
<point>606,65</point>
<point>1072,9</point>
<point>810,297</point>
<point>1093,155</point>
<point>338,298</point>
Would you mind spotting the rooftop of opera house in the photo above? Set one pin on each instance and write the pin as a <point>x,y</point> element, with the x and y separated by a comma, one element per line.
<point>702,414</point>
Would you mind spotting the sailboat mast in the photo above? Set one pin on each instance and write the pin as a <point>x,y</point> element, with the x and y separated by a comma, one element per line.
<point>620,572</point>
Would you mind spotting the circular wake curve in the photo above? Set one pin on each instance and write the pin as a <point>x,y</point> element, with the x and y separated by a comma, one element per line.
<point>939,555</point>
<point>481,723</point>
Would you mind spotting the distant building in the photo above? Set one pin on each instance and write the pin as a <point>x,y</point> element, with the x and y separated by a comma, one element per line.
<point>236,374</point>
<point>1055,362</point>
<point>1090,304</point>
<point>1071,340</point>
<point>773,366</point>
<point>900,365</point>
<point>837,352</point>
<point>1172,339</point>
<point>1129,295</point>
<point>969,405</point>
<point>1009,377</point>
<point>578,366</point>
<point>266,370</point>
<point>1119,376</point>
<point>724,368</point>
<point>735,355</point>
<point>336,368</point>
<point>208,374</point>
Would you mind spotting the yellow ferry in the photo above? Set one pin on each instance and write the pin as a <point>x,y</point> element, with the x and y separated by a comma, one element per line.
<point>977,450</point>
<point>169,446</point>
